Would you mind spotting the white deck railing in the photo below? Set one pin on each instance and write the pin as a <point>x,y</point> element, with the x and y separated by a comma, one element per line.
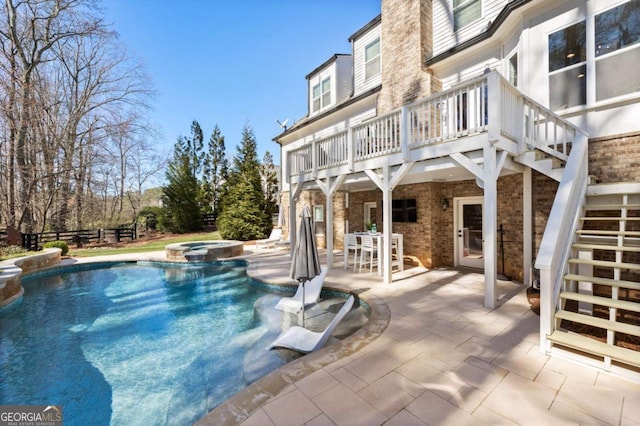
<point>488,104</point>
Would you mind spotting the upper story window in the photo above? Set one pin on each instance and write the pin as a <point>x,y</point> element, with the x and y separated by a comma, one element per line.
<point>372,59</point>
<point>617,50</point>
<point>513,69</point>
<point>321,94</point>
<point>613,52</point>
<point>568,67</point>
<point>465,12</point>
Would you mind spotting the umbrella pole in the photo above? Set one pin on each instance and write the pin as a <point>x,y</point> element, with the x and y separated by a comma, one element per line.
<point>303,286</point>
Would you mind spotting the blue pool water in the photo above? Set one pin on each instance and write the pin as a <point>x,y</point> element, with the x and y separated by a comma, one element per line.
<point>136,344</point>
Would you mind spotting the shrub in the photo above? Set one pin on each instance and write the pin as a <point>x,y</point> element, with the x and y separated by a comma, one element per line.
<point>58,244</point>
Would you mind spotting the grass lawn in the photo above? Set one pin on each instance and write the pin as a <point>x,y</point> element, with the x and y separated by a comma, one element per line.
<point>155,244</point>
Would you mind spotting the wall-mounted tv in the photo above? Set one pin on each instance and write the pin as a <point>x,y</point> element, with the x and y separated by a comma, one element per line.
<point>404,210</point>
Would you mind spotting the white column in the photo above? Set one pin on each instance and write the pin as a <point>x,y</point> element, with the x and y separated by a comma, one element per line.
<point>329,219</point>
<point>489,224</point>
<point>387,231</point>
<point>527,226</point>
<point>292,219</point>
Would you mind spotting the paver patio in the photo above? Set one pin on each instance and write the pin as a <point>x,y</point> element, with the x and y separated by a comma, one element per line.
<point>445,359</point>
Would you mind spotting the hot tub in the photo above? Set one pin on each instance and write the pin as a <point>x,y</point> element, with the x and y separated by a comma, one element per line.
<point>202,251</point>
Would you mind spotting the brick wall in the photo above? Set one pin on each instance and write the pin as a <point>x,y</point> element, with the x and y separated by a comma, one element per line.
<point>615,158</point>
<point>406,43</point>
<point>544,192</point>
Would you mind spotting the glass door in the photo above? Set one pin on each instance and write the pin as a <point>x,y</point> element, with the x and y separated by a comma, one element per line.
<point>468,232</point>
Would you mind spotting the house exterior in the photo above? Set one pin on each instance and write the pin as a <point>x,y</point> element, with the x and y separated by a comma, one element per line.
<point>478,129</point>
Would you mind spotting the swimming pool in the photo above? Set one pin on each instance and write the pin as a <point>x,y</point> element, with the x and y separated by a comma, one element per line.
<point>142,343</point>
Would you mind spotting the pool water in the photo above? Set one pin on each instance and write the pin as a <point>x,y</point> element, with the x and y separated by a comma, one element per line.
<point>136,344</point>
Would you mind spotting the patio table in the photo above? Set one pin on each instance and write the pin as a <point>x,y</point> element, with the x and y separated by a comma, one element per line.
<point>378,239</point>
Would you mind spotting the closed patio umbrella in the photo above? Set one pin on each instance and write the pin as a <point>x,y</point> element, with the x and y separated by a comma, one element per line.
<point>305,264</point>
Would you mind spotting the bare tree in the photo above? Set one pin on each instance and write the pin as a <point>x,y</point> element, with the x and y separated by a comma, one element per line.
<point>69,92</point>
<point>31,29</point>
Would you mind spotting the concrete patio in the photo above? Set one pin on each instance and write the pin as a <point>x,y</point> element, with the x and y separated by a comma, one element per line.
<point>442,359</point>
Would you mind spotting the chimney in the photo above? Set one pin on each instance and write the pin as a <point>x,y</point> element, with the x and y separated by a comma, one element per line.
<point>406,43</point>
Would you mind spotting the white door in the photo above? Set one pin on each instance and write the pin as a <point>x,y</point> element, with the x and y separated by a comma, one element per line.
<point>370,214</point>
<point>468,231</point>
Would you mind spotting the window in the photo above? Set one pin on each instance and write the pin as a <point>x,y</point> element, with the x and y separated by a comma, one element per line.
<point>372,59</point>
<point>318,213</point>
<point>316,97</point>
<point>614,54</point>
<point>465,12</point>
<point>567,67</point>
<point>617,50</point>
<point>404,210</point>
<point>321,94</point>
<point>513,69</point>
<point>326,92</point>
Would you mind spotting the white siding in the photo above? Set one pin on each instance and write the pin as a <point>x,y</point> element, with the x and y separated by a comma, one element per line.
<point>362,85</point>
<point>344,77</point>
<point>444,37</point>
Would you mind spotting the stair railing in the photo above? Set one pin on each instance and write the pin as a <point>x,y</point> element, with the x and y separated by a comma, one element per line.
<point>559,234</point>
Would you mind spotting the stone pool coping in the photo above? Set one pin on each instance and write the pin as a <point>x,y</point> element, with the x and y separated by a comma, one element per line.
<point>11,290</point>
<point>239,407</point>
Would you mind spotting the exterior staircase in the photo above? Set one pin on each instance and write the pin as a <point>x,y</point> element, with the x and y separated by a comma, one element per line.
<point>598,312</point>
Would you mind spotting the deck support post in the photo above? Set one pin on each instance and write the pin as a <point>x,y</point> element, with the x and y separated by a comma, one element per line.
<point>489,224</point>
<point>527,226</point>
<point>329,188</point>
<point>386,185</point>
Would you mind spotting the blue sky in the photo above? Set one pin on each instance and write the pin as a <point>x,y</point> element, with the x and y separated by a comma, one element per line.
<point>233,62</point>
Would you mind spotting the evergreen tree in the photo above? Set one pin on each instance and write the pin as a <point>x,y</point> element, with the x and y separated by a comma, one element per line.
<point>215,172</point>
<point>180,195</point>
<point>195,147</point>
<point>270,183</point>
<point>244,215</point>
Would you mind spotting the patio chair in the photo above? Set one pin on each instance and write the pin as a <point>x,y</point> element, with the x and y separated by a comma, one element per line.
<point>302,340</point>
<point>312,291</point>
<point>274,237</point>
<point>351,243</point>
<point>367,246</point>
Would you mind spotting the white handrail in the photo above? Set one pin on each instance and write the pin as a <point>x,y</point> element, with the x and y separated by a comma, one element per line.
<point>559,234</point>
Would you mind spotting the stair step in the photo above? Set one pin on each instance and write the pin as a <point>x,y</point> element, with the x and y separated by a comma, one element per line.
<point>601,232</point>
<point>606,324</point>
<point>603,281</point>
<point>587,344</point>
<point>585,246</point>
<point>602,301</point>
<point>608,240</point>
<point>606,264</point>
<point>609,218</point>
<point>612,206</point>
